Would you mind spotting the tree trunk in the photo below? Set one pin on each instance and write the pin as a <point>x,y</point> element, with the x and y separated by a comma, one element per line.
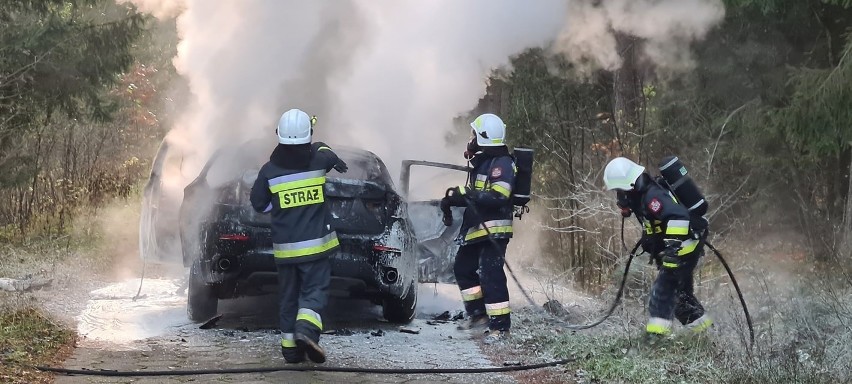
<point>845,249</point>
<point>627,92</point>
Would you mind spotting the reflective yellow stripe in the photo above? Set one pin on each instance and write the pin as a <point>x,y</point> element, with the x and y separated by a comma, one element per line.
<point>480,185</point>
<point>497,309</point>
<point>670,265</point>
<point>471,294</point>
<point>492,230</point>
<point>288,340</point>
<point>310,316</point>
<point>658,326</point>
<point>687,247</point>
<point>700,324</point>
<point>323,149</point>
<point>677,227</point>
<point>307,247</point>
<point>297,184</point>
<point>501,188</point>
<point>462,189</point>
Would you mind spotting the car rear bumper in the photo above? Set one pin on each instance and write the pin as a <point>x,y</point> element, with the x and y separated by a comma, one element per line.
<point>357,270</point>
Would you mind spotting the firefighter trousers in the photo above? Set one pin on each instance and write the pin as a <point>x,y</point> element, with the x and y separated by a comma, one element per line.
<point>482,281</point>
<point>672,295</point>
<point>302,297</point>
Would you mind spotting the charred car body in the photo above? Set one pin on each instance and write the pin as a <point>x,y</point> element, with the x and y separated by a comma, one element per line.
<point>227,246</point>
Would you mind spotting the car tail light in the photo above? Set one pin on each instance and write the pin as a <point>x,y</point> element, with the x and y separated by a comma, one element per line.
<point>385,248</point>
<point>234,237</point>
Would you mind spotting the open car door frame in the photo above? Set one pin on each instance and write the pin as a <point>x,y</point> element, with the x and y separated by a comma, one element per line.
<point>435,244</point>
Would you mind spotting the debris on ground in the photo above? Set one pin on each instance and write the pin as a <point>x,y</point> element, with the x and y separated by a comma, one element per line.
<point>21,285</point>
<point>410,330</point>
<point>442,317</point>
<point>378,333</point>
<point>436,322</point>
<point>339,332</point>
<point>511,363</point>
<point>459,315</point>
<point>210,323</point>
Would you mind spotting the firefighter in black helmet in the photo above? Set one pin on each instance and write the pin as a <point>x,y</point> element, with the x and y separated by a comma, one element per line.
<point>669,239</point>
<point>290,187</point>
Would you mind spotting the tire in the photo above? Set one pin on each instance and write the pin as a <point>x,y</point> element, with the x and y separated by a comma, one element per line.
<point>201,301</point>
<point>401,310</point>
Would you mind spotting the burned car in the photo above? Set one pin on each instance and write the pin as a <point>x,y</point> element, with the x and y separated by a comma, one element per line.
<point>227,246</point>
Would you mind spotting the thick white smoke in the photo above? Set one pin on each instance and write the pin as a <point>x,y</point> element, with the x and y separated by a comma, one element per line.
<point>389,76</point>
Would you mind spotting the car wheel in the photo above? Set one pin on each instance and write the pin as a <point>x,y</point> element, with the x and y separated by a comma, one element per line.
<point>401,309</point>
<point>201,301</point>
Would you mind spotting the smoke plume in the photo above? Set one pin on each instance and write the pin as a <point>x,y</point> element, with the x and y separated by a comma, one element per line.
<point>389,76</point>
<point>667,28</point>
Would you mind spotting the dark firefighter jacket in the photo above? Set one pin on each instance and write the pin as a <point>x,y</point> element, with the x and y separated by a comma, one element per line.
<point>492,178</point>
<point>664,219</point>
<point>290,187</point>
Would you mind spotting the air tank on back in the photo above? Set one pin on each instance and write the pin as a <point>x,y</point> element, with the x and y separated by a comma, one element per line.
<point>683,187</point>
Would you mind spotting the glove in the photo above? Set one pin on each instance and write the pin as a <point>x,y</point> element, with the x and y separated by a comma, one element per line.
<point>669,255</point>
<point>472,148</point>
<point>699,224</point>
<point>459,191</point>
<point>341,166</point>
<point>448,214</point>
<point>623,203</point>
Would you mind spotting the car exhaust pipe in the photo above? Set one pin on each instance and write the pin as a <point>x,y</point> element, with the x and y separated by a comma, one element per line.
<point>390,275</point>
<point>224,264</point>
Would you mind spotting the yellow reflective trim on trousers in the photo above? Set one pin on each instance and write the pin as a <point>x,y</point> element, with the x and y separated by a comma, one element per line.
<point>500,190</point>
<point>670,265</point>
<point>703,326</point>
<point>297,184</point>
<point>309,316</point>
<point>657,329</point>
<point>306,251</point>
<point>493,230</point>
<point>288,340</point>
<point>498,312</point>
<point>472,296</point>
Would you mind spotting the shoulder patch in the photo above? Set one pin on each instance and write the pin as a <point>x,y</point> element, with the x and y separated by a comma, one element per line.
<point>496,172</point>
<point>655,205</point>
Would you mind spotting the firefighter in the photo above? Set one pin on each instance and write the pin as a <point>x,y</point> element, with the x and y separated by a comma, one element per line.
<point>484,293</point>
<point>670,240</point>
<point>290,188</point>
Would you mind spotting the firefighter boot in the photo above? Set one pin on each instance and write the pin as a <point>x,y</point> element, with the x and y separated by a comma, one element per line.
<point>476,322</point>
<point>293,355</point>
<point>311,348</point>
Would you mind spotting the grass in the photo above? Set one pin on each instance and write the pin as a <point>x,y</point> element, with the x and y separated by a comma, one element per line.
<point>27,338</point>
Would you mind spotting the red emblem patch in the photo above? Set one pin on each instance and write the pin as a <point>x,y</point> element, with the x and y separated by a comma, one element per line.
<point>655,205</point>
<point>496,172</point>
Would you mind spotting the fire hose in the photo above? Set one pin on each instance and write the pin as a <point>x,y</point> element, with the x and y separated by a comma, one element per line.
<point>404,371</point>
<point>620,292</point>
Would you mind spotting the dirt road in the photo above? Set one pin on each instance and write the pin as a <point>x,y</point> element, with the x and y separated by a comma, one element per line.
<point>152,333</point>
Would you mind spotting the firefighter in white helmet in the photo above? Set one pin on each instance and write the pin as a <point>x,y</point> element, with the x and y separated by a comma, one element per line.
<point>479,261</point>
<point>290,188</point>
<point>669,240</point>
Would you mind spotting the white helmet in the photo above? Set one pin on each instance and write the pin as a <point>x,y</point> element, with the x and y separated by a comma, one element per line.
<point>489,130</point>
<point>294,127</point>
<point>621,174</point>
